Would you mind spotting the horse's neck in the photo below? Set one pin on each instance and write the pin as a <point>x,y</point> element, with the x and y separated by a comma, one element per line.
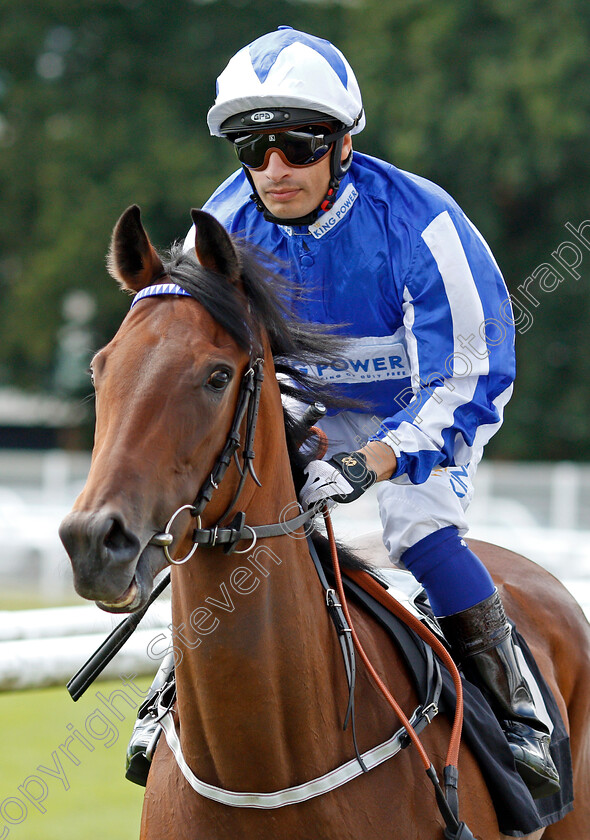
<point>261,673</point>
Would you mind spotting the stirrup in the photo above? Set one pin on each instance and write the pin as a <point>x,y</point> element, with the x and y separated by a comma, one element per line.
<point>147,729</point>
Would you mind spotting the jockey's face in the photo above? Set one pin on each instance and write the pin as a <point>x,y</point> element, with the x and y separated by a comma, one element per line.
<point>290,192</point>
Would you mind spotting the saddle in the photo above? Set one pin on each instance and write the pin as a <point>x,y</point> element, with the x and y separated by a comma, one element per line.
<point>517,812</point>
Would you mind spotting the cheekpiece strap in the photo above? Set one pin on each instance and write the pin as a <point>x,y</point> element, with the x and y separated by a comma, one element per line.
<point>159,289</point>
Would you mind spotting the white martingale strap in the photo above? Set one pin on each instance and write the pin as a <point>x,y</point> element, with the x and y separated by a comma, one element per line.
<point>159,289</point>
<point>299,793</point>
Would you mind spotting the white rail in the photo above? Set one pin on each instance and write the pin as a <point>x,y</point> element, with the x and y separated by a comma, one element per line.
<point>40,648</point>
<point>59,622</point>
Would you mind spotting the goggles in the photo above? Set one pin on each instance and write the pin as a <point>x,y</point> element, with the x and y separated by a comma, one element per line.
<point>298,148</point>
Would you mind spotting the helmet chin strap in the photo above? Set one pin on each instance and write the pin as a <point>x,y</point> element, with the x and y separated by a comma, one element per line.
<point>338,169</point>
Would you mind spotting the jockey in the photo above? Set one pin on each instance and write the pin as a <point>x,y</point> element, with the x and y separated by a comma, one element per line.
<point>430,329</point>
<point>430,334</point>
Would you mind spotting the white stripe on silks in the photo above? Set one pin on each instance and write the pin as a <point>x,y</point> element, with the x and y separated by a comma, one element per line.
<point>411,343</point>
<point>406,431</point>
<point>289,796</point>
<point>443,241</point>
<point>436,414</point>
<point>159,289</point>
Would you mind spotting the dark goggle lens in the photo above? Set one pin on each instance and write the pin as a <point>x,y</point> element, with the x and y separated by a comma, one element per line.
<point>299,148</point>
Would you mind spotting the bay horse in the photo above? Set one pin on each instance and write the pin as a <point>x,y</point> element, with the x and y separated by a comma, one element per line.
<point>261,688</point>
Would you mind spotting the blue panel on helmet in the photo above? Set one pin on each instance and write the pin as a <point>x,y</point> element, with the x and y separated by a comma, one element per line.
<point>265,51</point>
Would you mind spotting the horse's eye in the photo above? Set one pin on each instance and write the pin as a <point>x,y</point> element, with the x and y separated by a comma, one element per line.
<point>219,379</point>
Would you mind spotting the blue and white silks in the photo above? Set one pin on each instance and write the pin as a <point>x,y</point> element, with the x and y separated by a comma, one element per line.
<point>427,313</point>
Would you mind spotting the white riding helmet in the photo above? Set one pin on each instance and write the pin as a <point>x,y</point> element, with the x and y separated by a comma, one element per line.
<point>279,79</point>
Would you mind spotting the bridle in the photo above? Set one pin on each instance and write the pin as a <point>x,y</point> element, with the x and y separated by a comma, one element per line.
<point>248,403</point>
<point>237,529</point>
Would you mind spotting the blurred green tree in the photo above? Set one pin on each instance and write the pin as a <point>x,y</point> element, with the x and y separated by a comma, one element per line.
<point>491,100</point>
<point>103,105</point>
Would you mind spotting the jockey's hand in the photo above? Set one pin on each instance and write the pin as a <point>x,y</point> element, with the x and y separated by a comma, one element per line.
<point>343,478</point>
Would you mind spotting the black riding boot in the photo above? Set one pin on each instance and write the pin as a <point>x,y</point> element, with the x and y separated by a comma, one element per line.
<point>481,638</point>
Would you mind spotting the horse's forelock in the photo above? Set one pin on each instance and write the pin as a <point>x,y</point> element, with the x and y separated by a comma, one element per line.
<point>218,294</point>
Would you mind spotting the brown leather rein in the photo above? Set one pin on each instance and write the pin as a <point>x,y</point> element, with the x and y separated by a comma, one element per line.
<point>447,801</point>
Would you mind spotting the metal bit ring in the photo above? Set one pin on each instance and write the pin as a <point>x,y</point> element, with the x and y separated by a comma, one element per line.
<point>166,532</point>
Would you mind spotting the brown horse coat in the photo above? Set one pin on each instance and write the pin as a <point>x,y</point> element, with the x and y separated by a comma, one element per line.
<point>261,687</point>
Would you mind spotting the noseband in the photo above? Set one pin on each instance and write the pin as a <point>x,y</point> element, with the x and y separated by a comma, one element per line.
<point>237,530</point>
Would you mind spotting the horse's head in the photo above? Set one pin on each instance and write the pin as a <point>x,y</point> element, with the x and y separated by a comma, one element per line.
<point>166,388</point>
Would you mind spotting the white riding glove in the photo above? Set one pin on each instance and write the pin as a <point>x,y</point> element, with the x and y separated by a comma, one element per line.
<point>344,478</point>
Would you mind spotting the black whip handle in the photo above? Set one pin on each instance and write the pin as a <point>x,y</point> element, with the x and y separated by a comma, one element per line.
<point>310,417</point>
<point>111,646</point>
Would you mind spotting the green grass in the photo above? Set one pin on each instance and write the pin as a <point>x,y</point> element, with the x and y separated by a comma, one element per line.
<point>17,599</point>
<point>15,596</point>
<point>99,802</point>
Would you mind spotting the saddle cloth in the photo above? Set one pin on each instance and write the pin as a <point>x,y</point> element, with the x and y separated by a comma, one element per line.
<point>517,812</point>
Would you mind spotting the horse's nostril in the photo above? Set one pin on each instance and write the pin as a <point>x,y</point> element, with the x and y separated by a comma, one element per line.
<point>119,541</point>
<point>115,537</point>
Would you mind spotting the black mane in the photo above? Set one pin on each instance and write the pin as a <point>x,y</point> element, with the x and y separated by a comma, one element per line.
<point>294,343</point>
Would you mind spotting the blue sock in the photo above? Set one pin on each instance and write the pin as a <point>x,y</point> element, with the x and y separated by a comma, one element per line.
<point>452,575</point>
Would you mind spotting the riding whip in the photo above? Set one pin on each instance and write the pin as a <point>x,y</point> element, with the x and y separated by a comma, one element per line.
<point>111,646</point>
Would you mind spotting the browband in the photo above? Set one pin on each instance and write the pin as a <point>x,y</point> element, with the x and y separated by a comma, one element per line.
<point>159,289</point>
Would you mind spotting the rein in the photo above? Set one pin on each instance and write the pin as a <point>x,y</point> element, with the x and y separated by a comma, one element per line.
<point>447,801</point>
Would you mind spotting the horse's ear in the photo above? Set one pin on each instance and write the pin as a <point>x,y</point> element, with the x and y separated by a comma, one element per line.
<point>214,247</point>
<point>132,259</point>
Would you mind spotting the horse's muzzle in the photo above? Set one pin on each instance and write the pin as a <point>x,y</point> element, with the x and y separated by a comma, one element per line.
<point>104,555</point>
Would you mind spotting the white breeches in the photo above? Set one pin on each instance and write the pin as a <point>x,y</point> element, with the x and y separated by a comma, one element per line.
<point>409,512</point>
